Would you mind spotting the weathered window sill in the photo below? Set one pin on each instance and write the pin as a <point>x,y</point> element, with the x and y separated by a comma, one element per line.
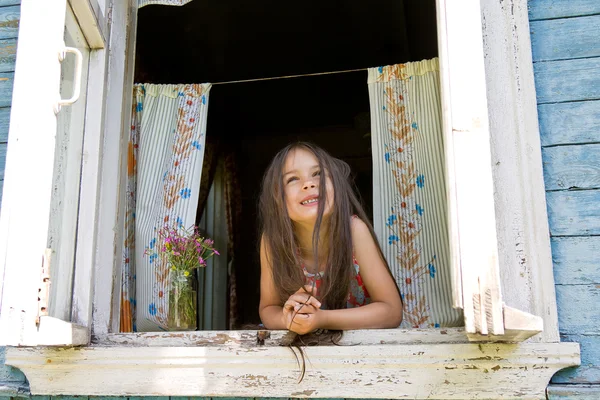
<point>253,338</point>
<point>368,364</point>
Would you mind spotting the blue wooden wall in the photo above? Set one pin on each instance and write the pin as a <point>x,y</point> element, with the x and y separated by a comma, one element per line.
<point>9,27</point>
<point>565,37</point>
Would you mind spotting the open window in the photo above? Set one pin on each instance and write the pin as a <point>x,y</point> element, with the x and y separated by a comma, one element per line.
<point>310,83</point>
<point>253,112</point>
<point>255,364</point>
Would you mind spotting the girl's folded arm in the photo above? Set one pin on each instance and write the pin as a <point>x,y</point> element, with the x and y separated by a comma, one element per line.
<point>385,310</point>
<point>371,316</point>
<point>270,310</point>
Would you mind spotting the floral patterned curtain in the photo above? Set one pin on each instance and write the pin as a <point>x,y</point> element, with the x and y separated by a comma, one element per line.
<point>166,150</point>
<point>409,194</point>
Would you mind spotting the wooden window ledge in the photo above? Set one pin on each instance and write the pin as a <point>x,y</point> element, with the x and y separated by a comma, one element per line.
<point>415,364</point>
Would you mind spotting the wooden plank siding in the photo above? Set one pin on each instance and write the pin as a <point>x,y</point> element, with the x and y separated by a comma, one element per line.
<point>580,307</point>
<point>9,26</point>
<point>574,212</point>
<point>569,123</point>
<point>571,392</point>
<point>567,80</point>
<point>9,29</point>
<point>572,167</point>
<point>575,260</point>
<point>553,39</point>
<point>566,55</point>
<point>554,9</point>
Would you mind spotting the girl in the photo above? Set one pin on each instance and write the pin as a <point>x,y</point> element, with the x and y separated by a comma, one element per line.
<point>321,265</point>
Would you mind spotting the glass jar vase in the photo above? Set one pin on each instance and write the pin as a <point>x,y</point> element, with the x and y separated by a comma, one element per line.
<point>182,302</point>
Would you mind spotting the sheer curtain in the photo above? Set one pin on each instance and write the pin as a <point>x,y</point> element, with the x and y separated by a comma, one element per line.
<point>409,194</point>
<point>213,279</point>
<point>166,151</point>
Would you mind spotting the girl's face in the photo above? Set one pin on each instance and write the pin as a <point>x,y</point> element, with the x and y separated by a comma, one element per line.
<point>301,174</point>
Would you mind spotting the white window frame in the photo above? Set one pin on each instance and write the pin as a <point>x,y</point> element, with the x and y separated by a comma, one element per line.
<point>380,363</point>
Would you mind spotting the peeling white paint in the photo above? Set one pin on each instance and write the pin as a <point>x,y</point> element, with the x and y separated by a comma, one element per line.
<point>425,371</point>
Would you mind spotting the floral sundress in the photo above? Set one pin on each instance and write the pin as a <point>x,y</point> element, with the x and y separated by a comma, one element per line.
<point>358,296</point>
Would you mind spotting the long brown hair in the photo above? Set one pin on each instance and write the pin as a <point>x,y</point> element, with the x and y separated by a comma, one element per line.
<point>278,232</point>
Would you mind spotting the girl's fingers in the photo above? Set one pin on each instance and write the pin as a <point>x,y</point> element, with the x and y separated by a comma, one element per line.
<point>305,309</point>
<point>289,309</point>
<point>305,299</point>
<point>290,305</point>
<point>300,319</point>
<point>309,289</point>
<point>295,307</point>
<point>301,316</point>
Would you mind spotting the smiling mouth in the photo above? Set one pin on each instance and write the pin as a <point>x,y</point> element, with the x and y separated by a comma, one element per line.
<point>309,201</point>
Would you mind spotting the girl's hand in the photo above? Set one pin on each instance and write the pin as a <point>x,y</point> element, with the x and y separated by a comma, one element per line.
<point>306,323</point>
<point>300,303</point>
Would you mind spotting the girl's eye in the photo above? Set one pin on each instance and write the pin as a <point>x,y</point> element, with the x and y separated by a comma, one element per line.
<point>291,179</point>
<point>316,173</point>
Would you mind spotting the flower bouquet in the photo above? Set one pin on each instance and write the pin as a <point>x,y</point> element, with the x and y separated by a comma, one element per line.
<point>184,250</point>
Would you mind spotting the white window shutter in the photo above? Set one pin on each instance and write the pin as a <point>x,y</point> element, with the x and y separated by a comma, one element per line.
<point>39,211</point>
<point>477,286</point>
